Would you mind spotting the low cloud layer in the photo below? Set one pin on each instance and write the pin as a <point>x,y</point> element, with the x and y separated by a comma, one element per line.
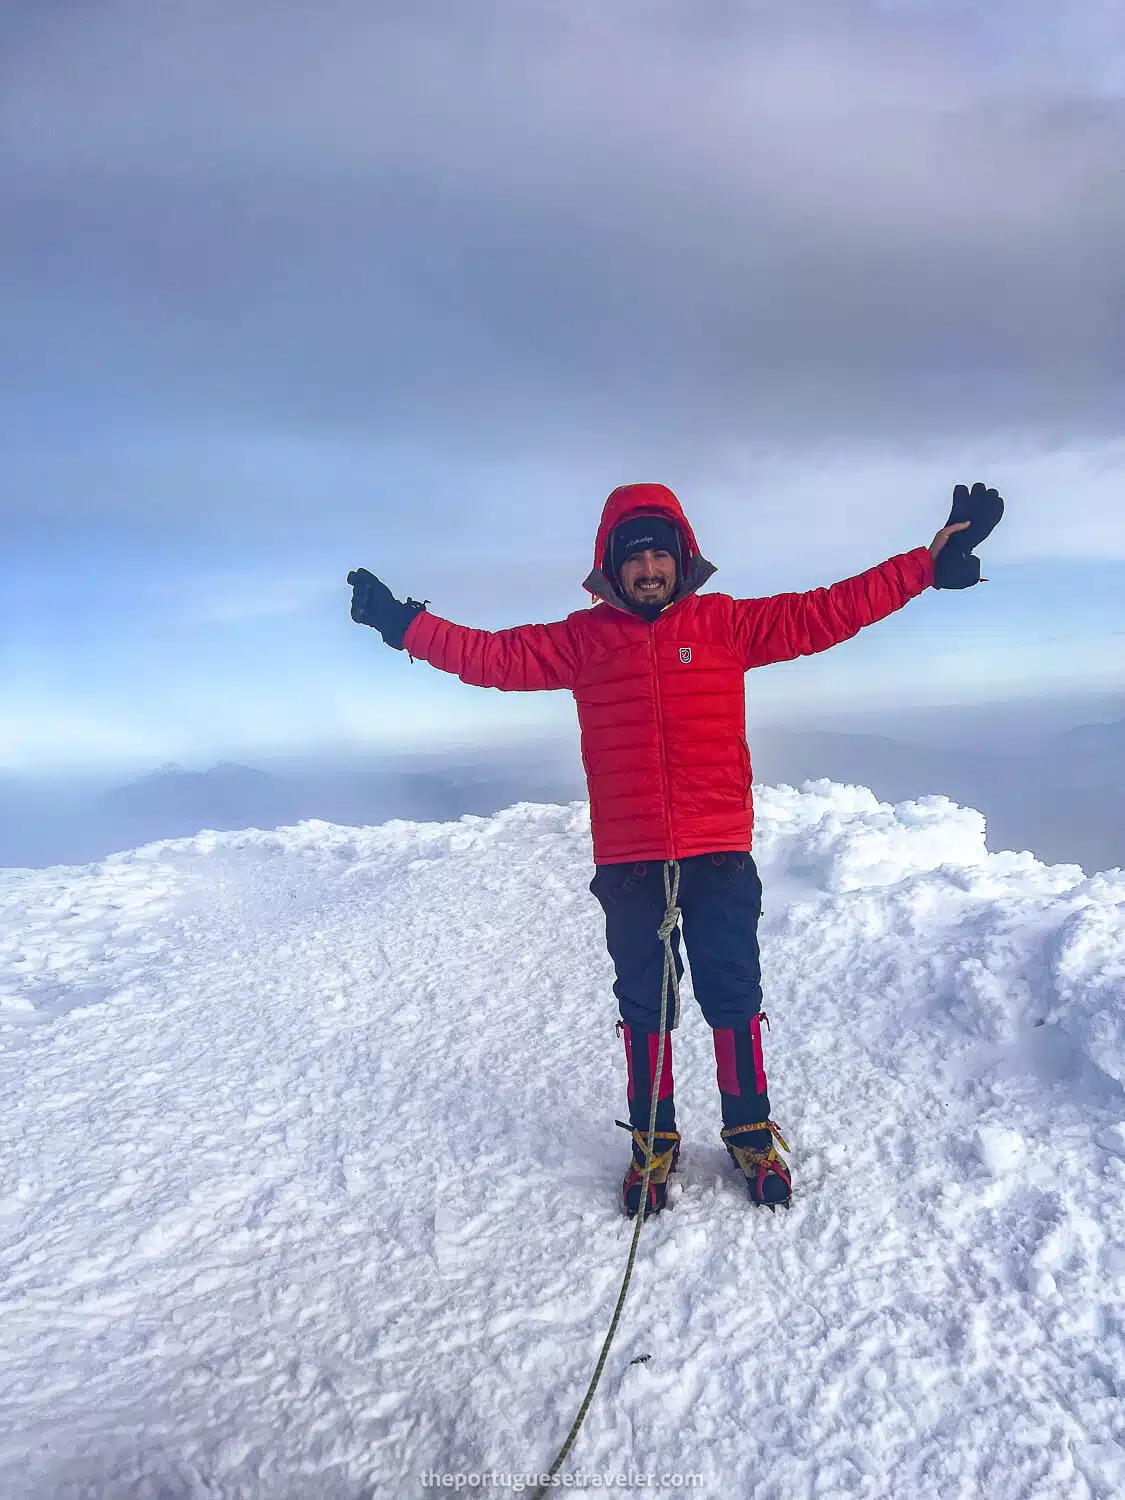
<point>537,229</point>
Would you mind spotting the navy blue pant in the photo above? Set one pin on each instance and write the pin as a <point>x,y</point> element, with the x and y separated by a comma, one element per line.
<point>720,898</point>
<point>721,901</point>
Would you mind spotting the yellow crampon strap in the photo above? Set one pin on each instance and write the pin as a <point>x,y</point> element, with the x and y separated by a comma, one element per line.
<point>770,1125</point>
<point>660,1163</point>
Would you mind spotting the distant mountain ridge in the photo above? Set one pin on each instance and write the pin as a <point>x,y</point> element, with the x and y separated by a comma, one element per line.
<point>1096,737</point>
<point>227,795</point>
<point>1063,797</point>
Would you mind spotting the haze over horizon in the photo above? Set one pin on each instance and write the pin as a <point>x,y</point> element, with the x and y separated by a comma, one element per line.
<point>1051,790</point>
<point>413,287</point>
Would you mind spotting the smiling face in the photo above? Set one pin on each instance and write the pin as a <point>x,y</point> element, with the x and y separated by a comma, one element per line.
<point>649,577</point>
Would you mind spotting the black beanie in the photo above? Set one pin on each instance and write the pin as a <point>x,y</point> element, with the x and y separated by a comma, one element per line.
<point>643,534</point>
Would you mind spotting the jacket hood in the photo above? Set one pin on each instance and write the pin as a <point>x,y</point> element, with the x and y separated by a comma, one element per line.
<point>649,500</point>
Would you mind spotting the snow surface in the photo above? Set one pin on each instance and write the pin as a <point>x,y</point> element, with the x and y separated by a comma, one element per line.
<point>309,1175</point>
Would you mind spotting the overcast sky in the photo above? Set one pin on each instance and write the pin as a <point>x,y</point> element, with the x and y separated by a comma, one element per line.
<point>288,288</point>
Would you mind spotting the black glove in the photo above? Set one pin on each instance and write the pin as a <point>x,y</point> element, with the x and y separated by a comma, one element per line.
<point>373,604</point>
<point>955,566</point>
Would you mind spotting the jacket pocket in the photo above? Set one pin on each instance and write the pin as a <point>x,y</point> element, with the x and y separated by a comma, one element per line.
<point>747,771</point>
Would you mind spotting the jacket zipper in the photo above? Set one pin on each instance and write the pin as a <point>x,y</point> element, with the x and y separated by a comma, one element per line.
<point>660,742</point>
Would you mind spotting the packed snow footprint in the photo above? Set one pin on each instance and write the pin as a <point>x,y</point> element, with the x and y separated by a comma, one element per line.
<point>290,1206</point>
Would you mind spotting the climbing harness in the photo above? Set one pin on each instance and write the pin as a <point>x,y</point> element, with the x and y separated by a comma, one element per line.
<point>669,984</point>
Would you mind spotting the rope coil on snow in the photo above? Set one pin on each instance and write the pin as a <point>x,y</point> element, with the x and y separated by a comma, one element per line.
<point>670,982</point>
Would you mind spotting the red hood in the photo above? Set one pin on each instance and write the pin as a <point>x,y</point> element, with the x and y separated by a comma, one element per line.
<point>649,500</point>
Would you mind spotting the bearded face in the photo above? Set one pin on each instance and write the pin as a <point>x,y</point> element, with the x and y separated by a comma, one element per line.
<point>649,577</point>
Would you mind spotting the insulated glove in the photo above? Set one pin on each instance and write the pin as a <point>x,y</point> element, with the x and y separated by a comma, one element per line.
<point>956,567</point>
<point>373,604</point>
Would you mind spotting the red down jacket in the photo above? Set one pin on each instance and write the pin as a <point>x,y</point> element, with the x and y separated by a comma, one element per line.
<point>662,706</point>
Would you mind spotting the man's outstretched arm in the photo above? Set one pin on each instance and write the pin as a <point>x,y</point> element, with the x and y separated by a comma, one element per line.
<point>525,659</point>
<point>789,625</point>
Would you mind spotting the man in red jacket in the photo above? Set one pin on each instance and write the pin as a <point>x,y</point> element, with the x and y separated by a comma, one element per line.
<point>657,669</point>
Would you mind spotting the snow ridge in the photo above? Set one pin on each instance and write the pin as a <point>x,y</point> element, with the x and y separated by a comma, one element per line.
<point>308,1171</point>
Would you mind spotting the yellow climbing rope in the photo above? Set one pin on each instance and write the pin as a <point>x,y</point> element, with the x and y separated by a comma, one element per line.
<point>669,984</point>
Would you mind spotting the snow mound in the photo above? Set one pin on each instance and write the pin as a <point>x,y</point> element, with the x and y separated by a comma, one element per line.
<point>308,1172</point>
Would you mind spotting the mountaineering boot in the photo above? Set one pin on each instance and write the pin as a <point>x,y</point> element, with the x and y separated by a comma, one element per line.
<point>748,1132</point>
<point>767,1175</point>
<point>665,1155</point>
<point>641,1049</point>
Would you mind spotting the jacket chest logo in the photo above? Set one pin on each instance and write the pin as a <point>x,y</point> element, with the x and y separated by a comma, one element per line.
<point>685,654</point>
